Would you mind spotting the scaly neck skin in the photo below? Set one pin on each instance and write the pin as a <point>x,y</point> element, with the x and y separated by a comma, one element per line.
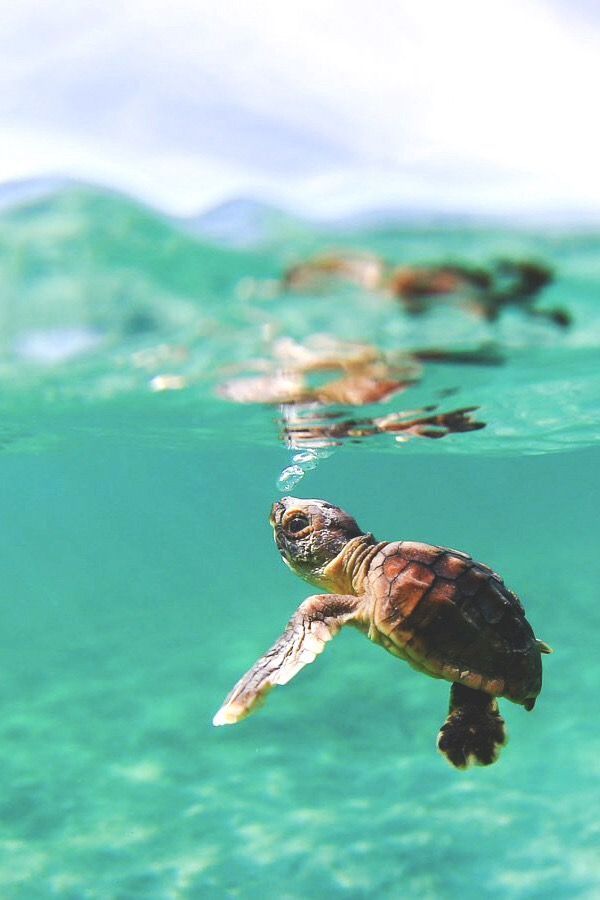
<point>346,573</point>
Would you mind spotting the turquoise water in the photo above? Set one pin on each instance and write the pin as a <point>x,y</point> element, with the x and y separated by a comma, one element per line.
<point>140,579</point>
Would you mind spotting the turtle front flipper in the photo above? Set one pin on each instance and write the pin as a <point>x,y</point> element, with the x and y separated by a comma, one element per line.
<point>474,731</point>
<point>315,623</point>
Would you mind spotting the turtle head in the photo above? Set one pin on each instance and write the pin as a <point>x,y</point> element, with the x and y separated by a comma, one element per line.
<point>310,534</point>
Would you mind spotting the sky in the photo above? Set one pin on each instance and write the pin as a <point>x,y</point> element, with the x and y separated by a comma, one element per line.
<point>323,106</point>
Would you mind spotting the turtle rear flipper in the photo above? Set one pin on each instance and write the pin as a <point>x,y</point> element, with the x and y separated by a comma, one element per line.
<point>474,731</point>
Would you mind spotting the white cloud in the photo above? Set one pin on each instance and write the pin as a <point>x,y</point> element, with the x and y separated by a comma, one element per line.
<point>451,104</point>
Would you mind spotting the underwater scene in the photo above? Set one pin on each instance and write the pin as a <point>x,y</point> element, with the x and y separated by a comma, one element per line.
<point>164,383</point>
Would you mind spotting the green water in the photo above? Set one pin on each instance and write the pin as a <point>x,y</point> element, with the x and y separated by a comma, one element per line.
<point>139,580</point>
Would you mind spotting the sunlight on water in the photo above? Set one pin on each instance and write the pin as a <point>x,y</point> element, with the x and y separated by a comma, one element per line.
<point>154,388</point>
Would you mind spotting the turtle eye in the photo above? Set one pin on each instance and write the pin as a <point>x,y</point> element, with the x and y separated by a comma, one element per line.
<point>297,524</point>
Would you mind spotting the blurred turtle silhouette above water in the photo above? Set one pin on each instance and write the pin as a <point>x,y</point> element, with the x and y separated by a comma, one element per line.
<point>358,374</point>
<point>313,427</point>
<point>482,292</point>
<point>445,614</point>
<point>367,270</point>
<point>369,374</point>
<point>362,375</point>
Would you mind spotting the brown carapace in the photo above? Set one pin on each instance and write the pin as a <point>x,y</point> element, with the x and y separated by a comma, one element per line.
<point>443,613</point>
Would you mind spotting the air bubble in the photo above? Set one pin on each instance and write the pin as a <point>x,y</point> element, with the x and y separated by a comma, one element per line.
<point>307,459</point>
<point>290,477</point>
<point>324,451</point>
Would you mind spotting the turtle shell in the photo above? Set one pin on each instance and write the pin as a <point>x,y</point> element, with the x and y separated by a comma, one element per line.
<point>453,618</point>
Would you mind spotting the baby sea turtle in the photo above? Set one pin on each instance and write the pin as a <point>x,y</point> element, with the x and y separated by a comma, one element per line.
<point>443,613</point>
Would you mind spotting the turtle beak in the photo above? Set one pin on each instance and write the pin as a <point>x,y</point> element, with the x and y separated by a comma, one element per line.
<point>279,508</point>
<point>277,512</point>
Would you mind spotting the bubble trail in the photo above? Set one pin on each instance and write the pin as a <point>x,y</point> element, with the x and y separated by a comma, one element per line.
<point>290,477</point>
<point>307,459</point>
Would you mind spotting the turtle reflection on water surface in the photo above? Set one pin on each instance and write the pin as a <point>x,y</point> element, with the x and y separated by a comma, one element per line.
<point>445,614</point>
